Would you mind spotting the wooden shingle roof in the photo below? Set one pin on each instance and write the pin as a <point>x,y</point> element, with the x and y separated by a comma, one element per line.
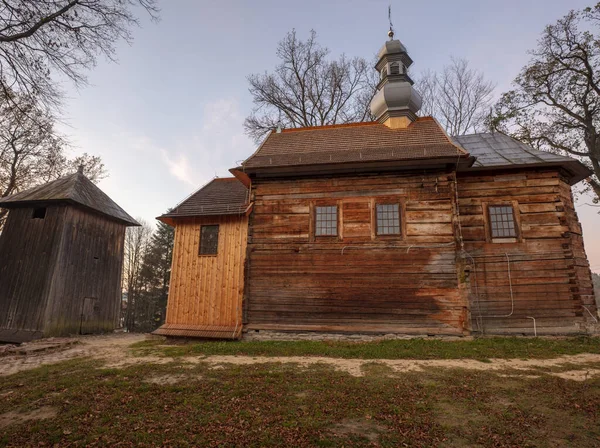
<point>74,189</point>
<point>221,196</point>
<point>358,142</point>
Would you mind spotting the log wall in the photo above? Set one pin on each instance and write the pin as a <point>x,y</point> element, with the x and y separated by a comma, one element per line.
<point>358,281</point>
<point>543,277</point>
<point>205,294</point>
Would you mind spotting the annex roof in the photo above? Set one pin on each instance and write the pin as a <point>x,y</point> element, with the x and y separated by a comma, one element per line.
<point>497,150</point>
<point>74,189</point>
<point>358,142</point>
<point>221,196</point>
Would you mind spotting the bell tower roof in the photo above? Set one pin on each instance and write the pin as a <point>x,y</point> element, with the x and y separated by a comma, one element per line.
<point>396,102</point>
<point>392,46</point>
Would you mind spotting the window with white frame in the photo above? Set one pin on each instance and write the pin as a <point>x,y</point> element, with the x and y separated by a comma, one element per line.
<point>502,221</point>
<point>326,220</point>
<point>388,219</point>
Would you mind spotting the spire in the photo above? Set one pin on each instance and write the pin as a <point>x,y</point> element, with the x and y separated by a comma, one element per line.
<point>396,102</point>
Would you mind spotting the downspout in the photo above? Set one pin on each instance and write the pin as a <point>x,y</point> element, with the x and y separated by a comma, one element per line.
<point>462,274</point>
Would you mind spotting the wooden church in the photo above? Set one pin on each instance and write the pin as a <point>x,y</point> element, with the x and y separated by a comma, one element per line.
<point>61,257</point>
<point>383,227</point>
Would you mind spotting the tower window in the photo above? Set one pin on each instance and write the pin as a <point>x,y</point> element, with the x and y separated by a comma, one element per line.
<point>394,69</point>
<point>39,213</point>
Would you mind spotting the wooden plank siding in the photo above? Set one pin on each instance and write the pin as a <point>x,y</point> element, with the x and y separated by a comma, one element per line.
<point>85,292</point>
<point>356,281</point>
<point>50,266</point>
<point>205,294</point>
<point>544,274</point>
<point>26,264</point>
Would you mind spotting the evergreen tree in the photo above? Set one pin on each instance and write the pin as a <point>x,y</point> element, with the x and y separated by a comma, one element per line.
<point>155,274</point>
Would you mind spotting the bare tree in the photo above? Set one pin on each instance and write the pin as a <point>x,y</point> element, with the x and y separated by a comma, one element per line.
<point>31,152</point>
<point>459,97</point>
<point>29,147</point>
<point>308,89</point>
<point>555,102</point>
<point>41,42</point>
<point>137,240</point>
<point>42,38</point>
<point>426,85</point>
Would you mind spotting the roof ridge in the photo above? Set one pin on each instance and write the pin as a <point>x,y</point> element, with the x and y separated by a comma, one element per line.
<point>348,125</point>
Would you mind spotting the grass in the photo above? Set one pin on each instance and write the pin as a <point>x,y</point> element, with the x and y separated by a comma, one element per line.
<point>283,405</point>
<point>482,348</point>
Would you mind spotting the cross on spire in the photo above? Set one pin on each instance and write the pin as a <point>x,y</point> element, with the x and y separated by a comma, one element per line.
<point>391,31</point>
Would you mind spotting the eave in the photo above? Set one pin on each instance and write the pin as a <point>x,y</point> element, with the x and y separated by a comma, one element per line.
<point>463,161</point>
<point>171,219</point>
<point>574,168</point>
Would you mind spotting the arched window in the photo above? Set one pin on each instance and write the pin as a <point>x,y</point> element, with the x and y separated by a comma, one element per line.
<point>383,72</point>
<point>394,69</point>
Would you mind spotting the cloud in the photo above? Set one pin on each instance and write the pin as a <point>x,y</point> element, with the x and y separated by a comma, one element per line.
<point>179,167</point>
<point>207,148</point>
<point>216,145</point>
<point>221,114</point>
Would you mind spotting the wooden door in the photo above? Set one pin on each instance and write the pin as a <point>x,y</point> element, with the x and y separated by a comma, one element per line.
<point>90,316</point>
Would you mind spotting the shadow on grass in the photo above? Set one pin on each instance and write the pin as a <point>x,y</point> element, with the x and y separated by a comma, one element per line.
<point>481,349</point>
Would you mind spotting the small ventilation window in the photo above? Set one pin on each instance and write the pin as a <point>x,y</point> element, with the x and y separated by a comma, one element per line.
<point>383,72</point>
<point>39,213</point>
<point>394,69</point>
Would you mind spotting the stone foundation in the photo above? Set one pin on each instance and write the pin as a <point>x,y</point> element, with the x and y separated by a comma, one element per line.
<point>270,335</point>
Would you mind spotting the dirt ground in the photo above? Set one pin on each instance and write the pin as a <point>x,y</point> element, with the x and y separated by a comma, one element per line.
<point>114,351</point>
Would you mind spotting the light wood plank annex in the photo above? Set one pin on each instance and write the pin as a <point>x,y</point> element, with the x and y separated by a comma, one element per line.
<point>206,290</point>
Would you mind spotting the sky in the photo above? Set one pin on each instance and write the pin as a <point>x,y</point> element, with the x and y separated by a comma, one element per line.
<point>168,117</point>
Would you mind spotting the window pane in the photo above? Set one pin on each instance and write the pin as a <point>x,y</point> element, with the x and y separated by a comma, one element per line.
<point>502,221</point>
<point>326,221</point>
<point>388,219</point>
<point>209,240</point>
